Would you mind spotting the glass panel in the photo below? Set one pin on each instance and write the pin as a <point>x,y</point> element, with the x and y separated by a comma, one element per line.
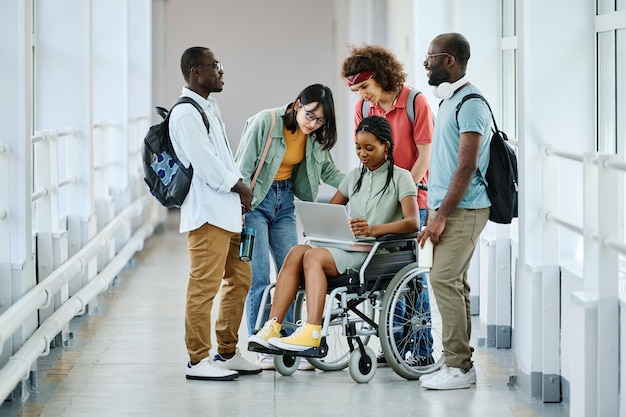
<point>508,18</point>
<point>620,91</point>
<point>606,92</point>
<point>606,6</point>
<point>509,101</point>
<point>620,138</point>
<point>509,76</point>
<point>620,5</point>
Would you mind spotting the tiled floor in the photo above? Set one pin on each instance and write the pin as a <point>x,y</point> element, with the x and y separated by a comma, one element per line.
<point>127,358</point>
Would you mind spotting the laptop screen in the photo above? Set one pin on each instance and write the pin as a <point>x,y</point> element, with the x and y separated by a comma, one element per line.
<point>326,222</point>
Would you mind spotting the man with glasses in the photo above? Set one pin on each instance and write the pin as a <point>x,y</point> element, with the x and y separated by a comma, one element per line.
<point>211,216</point>
<point>457,201</point>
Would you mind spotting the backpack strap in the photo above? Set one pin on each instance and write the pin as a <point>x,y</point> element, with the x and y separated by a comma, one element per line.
<point>196,105</point>
<point>266,149</point>
<point>493,119</point>
<point>365,108</point>
<point>410,106</point>
<point>165,114</point>
<point>478,96</point>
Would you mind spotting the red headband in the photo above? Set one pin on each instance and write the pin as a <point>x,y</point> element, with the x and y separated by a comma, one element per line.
<point>359,77</point>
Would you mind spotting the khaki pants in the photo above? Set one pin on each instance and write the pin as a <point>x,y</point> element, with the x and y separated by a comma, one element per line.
<point>451,259</point>
<point>214,257</point>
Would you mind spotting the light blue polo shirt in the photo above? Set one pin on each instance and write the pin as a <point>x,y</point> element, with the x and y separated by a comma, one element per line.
<point>474,116</point>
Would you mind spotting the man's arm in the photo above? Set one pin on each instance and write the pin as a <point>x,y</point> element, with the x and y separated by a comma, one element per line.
<point>422,162</point>
<point>422,130</point>
<point>469,147</point>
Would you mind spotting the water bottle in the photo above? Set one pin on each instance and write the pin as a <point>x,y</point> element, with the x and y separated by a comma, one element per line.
<point>247,243</point>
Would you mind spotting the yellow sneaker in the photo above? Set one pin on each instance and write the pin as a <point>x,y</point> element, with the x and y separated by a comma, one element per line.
<point>269,330</point>
<point>305,337</point>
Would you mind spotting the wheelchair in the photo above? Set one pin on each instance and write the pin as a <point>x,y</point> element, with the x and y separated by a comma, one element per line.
<point>385,298</point>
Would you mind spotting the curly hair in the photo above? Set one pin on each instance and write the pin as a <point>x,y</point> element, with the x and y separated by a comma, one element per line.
<point>380,128</point>
<point>389,71</point>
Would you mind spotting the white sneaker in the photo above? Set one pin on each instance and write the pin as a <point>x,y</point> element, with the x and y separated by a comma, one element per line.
<point>237,363</point>
<point>265,361</point>
<point>428,376</point>
<point>207,370</point>
<point>472,375</point>
<point>448,378</point>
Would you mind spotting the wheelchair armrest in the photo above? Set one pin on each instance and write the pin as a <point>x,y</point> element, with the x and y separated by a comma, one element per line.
<point>396,236</point>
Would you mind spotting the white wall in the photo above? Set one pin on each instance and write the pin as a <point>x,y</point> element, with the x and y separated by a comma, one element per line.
<point>270,50</point>
<point>556,106</point>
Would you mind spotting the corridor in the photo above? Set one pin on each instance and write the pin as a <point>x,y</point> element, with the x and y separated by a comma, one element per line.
<point>127,358</point>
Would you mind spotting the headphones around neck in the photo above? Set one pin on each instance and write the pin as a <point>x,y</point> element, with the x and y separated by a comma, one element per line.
<point>445,90</point>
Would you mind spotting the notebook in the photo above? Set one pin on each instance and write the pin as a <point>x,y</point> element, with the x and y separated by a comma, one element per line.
<point>328,225</point>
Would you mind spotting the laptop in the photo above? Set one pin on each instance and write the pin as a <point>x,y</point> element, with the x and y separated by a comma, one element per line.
<point>329,225</point>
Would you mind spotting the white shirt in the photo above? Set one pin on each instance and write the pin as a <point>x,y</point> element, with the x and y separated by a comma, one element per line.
<point>214,171</point>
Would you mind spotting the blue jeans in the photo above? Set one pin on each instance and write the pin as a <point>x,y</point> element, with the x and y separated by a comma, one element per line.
<point>420,344</point>
<point>276,233</point>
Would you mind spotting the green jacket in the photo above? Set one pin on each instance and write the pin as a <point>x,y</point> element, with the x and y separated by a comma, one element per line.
<point>317,166</point>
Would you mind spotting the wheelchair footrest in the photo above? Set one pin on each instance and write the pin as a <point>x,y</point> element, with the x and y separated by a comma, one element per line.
<point>314,352</point>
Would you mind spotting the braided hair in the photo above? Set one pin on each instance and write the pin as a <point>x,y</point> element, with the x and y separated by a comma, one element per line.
<point>380,128</point>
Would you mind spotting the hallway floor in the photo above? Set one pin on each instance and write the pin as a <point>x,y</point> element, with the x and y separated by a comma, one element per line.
<point>127,358</point>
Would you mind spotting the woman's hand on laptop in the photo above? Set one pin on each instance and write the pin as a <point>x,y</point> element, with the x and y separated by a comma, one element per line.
<point>360,227</point>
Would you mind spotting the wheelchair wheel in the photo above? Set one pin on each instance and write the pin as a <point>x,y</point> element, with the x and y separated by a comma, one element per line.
<point>286,364</point>
<point>338,356</point>
<point>362,367</point>
<point>410,324</point>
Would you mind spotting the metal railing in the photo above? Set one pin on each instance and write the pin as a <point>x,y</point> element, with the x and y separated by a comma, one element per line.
<point>20,364</point>
<point>596,342</point>
<point>65,287</point>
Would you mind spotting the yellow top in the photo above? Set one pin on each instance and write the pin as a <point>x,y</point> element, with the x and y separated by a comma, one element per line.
<point>296,145</point>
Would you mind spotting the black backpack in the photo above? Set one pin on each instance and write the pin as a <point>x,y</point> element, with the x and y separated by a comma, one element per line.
<point>167,178</point>
<point>501,175</point>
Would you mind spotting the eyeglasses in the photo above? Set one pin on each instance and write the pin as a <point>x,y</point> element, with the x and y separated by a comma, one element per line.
<point>312,118</point>
<point>215,65</point>
<point>428,56</point>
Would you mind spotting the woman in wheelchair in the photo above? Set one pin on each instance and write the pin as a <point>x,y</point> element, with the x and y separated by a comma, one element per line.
<point>381,200</point>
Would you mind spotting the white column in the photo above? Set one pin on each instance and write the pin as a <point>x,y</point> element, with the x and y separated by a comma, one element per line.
<point>601,272</point>
<point>17,274</point>
<point>543,122</point>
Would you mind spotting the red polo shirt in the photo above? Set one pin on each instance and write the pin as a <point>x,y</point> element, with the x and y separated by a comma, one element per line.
<point>405,136</point>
